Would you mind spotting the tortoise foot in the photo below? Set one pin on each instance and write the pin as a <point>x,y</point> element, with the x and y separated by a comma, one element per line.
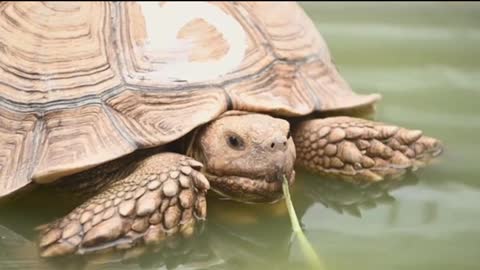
<point>361,150</point>
<point>163,198</point>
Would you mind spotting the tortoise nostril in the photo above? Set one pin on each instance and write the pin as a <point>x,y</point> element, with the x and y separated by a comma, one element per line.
<point>278,143</point>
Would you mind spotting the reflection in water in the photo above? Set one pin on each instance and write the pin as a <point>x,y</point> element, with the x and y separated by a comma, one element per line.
<point>240,236</point>
<point>347,218</point>
<point>431,212</point>
<point>16,252</point>
<point>345,197</point>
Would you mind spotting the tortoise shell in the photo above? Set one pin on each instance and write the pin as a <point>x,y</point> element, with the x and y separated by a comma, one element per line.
<point>83,83</point>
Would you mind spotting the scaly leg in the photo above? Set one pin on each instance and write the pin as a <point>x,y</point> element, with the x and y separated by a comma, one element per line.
<point>361,150</point>
<point>163,196</point>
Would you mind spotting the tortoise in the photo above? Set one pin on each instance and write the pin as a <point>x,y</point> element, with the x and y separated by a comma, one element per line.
<point>142,107</point>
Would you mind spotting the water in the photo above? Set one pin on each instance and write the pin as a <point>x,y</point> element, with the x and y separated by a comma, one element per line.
<point>424,60</point>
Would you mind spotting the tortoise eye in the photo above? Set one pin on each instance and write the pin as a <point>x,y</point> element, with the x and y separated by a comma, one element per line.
<point>235,142</point>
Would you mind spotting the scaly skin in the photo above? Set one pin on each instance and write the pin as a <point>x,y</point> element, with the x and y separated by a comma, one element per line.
<point>163,197</point>
<point>155,196</point>
<point>360,150</point>
<point>245,156</point>
<point>252,172</point>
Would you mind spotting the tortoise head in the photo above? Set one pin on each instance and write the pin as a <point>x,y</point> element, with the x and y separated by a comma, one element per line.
<point>246,156</point>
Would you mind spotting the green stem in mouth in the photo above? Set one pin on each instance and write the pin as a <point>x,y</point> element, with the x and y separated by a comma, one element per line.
<point>305,245</point>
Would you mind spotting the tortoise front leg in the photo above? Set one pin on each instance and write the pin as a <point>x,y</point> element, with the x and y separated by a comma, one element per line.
<point>361,150</point>
<point>163,197</point>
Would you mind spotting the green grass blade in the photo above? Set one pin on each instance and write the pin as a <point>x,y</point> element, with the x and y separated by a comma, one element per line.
<point>310,254</point>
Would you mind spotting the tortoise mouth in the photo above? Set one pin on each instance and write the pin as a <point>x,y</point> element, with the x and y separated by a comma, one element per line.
<point>249,190</point>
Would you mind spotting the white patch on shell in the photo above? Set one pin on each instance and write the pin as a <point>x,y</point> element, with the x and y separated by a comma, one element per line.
<point>173,16</point>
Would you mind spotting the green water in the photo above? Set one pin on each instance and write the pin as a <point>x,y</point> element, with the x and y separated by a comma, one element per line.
<point>425,61</point>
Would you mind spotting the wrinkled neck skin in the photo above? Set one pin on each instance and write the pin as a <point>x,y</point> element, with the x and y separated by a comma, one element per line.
<point>245,156</point>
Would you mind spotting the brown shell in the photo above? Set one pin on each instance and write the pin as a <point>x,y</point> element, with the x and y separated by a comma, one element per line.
<point>82,83</point>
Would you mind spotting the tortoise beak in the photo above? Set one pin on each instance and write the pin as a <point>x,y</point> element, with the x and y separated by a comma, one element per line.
<point>281,171</point>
